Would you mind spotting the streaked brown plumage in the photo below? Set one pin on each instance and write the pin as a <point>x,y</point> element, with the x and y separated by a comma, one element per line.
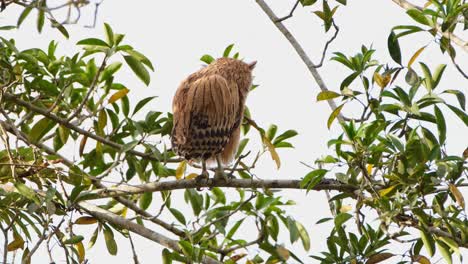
<point>208,108</point>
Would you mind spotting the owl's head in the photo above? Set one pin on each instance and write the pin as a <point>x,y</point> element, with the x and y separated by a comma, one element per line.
<point>236,71</point>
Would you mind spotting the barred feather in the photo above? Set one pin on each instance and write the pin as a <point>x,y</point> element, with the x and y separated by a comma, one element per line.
<point>208,107</point>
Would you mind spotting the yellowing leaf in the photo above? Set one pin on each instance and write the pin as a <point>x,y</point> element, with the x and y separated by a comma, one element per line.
<point>17,243</point>
<point>181,170</point>
<point>382,80</point>
<point>378,79</point>
<point>191,176</point>
<point>369,169</point>
<point>415,56</point>
<point>86,220</point>
<point>118,95</point>
<point>282,252</point>
<point>386,191</point>
<point>274,154</point>
<point>377,258</point>
<point>237,257</point>
<point>327,95</point>
<point>82,145</point>
<point>346,208</point>
<point>333,115</point>
<point>421,259</point>
<point>81,251</point>
<point>458,195</point>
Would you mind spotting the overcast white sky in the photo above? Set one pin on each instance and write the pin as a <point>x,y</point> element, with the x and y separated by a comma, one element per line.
<point>175,34</point>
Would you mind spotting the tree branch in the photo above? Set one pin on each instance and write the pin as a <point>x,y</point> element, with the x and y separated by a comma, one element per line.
<point>290,13</point>
<point>96,182</point>
<point>123,190</point>
<point>300,51</point>
<point>107,216</point>
<point>65,123</point>
<point>458,41</point>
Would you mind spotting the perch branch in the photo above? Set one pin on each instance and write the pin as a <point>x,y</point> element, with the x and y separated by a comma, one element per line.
<point>123,190</point>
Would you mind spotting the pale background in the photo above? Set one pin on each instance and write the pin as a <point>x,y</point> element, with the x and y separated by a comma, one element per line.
<point>175,34</point>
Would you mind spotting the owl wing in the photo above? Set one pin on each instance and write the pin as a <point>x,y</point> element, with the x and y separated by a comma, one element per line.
<point>206,112</point>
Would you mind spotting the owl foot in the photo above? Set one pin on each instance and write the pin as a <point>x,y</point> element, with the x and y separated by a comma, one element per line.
<point>221,175</point>
<point>202,177</point>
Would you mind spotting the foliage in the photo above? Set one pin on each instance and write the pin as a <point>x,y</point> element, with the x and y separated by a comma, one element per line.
<point>389,163</point>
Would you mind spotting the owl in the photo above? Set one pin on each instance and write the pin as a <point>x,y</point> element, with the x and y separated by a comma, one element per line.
<point>208,108</point>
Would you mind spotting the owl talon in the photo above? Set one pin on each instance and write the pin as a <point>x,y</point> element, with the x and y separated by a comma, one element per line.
<point>202,177</point>
<point>221,175</point>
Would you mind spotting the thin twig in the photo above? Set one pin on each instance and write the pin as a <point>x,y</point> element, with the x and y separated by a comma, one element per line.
<point>91,89</point>
<point>324,52</point>
<point>290,13</point>
<point>300,51</point>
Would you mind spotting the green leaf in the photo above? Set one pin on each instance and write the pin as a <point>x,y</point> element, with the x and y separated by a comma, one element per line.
<point>92,42</point>
<point>293,231</point>
<point>460,97</point>
<point>142,103</point>
<point>428,82</point>
<point>286,135</point>
<point>441,125</point>
<point>109,34</point>
<point>304,236</point>
<point>341,218</point>
<point>327,95</point>
<point>196,200</point>
<point>438,74</point>
<point>445,252</point>
<point>23,15</point>
<point>145,200</point>
<point>40,19</point>
<point>333,115</point>
<point>138,68</point>
<point>110,241</point>
<point>140,57</point>
<point>178,215</point>
<point>271,132</point>
<point>73,240</point>
<point>307,2</point>
<point>234,228</point>
<point>110,70</point>
<point>227,51</point>
<point>343,2</point>
<point>313,178</point>
<point>394,48</point>
<point>40,129</point>
<point>186,247</point>
<point>219,195</point>
<point>207,59</point>
<point>7,27</point>
<point>27,192</point>
<point>60,28</point>
<point>461,114</point>
<point>241,147</point>
<point>348,80</point>
<point>429,242</point>
<point>418,16</point>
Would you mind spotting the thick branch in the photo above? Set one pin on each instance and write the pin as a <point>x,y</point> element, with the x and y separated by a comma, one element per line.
<point>107,216</point>
<point>300,51</point>
<point>65,123</point>
<point>325,184</point>
<point>458,41</point>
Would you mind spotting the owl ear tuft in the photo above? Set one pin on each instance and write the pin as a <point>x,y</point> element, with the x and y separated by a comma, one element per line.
<point>252,65</point>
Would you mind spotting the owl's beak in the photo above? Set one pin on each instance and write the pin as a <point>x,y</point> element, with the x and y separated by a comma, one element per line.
<point>252,65</point>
